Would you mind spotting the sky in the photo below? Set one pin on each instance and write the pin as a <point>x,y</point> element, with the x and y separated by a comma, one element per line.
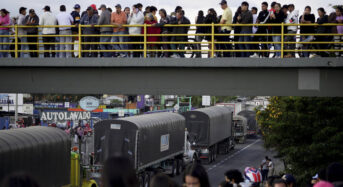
<point>191,7</point>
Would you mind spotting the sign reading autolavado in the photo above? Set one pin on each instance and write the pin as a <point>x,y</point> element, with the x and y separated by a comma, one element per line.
<point>65,116</point>
<point>89,103</point>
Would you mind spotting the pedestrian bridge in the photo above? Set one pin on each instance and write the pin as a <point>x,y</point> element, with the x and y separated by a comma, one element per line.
<point>321,77</point>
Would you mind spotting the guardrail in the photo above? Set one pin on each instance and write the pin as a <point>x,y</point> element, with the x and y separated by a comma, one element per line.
<point>145,43</point>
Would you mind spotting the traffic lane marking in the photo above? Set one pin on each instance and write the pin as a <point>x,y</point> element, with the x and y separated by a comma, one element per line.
<point>231,156</point>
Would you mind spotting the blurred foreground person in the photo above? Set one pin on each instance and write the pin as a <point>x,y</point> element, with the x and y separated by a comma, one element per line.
<point>196,176</point>
<point>19,180</point>
<point>164,180</point>
<point>118,171</point>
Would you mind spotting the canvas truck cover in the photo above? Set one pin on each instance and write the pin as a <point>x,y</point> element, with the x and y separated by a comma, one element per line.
<point>145,139</point>
<point>208,126</point>
<point>42,152</point>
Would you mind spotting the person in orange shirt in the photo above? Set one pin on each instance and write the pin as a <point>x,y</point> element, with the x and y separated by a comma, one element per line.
<point>119,18</point>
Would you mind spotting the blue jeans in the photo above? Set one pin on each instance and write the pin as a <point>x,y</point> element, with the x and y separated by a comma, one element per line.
<point>106,46</point>
<point>306,46</point>
<point>277,46</point>
<point>119,39</point>
<point>4,40</point>
<point>180,47</point>
<point>245,46</point>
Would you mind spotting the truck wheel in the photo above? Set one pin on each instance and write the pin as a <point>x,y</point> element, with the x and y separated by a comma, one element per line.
<point>178,167</point>
<point>174,168</point>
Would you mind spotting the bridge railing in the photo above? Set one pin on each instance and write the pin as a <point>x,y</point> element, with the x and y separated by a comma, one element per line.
<point>323,42</point>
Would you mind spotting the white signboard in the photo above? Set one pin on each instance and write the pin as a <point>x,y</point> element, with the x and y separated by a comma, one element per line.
<point>116,126</point>
<point>164,142</point>
<point>66,104</point>
<point>64,116</point>
<point>89,103</point>
<point>121,113</point>
<point>206,100</point>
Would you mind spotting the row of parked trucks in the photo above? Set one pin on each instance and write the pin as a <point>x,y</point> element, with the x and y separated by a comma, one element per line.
<point>160,142</point>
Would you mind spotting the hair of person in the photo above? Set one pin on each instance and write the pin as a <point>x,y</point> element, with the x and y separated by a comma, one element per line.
<point>244,3</point>
<point>118,171</point>
<point>340,8</point>
<point>21,9</point>
<point>109,9</point>
<point>335,172</point>
<point>153,8</point>
<point>278,4</point>
<point>139,5</point>
<point>4,11</point>
<point>254,8</point>
<point>322,10</point>
<point>147,8</point>
<point>19,180</point>
<point>239,9</point>
<point>273,3</point>
<point>63,8</point>
<point>150,16</point>
<point>265,3</point>
<point>291,5</point>
<point>234,174</point>
<point>161,180</point>
<point>182,12</point>
<point>308,7</point>
<point>279,181</point>
<point>164,12</point>
<point>200,14</point>
<point>178,8</point>
<point>213,12</point>
<point>126,8</point>
<point>284,6</point>
<point>197,171</point>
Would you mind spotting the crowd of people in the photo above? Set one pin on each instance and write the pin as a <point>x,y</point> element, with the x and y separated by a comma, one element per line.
<point>135,15</point>
<point>118,171</point>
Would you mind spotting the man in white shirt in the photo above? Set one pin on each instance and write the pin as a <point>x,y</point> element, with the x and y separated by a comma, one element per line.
<point>22,31</point>
<point>292,18</point>
<point>48,19</point>
<point>63,19</point>
<point>135,18</point>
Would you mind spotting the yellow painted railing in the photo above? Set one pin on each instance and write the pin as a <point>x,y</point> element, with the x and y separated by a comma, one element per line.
<point>144,43</point>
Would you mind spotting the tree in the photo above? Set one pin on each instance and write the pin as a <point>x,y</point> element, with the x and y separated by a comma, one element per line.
<point>306,132</point>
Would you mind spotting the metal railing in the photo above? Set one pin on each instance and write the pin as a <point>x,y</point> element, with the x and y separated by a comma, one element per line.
<point>145,43</point>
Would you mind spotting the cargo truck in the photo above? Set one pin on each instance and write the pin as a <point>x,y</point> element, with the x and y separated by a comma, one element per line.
<point>153,143</point>
<point>240,124</point>
<point>210,131</point>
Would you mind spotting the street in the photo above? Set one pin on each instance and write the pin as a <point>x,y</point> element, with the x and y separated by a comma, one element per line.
<point>249,154</point>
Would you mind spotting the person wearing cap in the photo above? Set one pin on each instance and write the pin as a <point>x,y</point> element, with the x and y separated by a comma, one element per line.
<point>48,19</point>
<point>118,19</point>
<point>226,19</point>
<point>22,31</point>
<point>105,19</point>
<point>32,20</point>
<point>76,21</point>
<point>289,179</point>
<point>65,19</point>
<point>4,21</point>
<point>90,19</point>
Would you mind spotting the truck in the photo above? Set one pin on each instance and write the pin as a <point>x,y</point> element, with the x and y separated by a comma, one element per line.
<point>210,131</point>
<point>252,126</point>
<point>240,124</point>
<point>45,154</point>
<point>153,142</point>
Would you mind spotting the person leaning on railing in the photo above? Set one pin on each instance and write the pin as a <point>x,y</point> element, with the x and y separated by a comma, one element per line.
<point>307,18</point>
<point>90,19</point>
<point>150,20</point>
<point>225,19</point>
<point>75,30</point>
<point>323,18</point>
<point>118,18</point>
<point>136,18</point>
<point>262,18</point>
<point>105,19</point>
<point>180,19</point>
<point>339,28</point>
<point>165,19</point>
<point>22,31</point>
<point>245,18</point>
<point>64,18</point>
<point>32,20</point>
<point>4,21</point>
<point>210,18</point>
<point>200,19</point>
<point>48,19</point>
<point>292,18</point>
<point>277,17</point>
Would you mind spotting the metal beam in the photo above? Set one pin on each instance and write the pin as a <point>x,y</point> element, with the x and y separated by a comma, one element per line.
<point>157,76</point>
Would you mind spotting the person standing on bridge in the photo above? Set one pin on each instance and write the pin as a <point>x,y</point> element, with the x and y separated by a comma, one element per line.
<point>4,31</point>
<point>119,18</point>
<point>64,19</point>
<point>32,20</point>
<point>89,19</point>
<point>225,19</point>
<point>105,19</point>
<point>48,19</point>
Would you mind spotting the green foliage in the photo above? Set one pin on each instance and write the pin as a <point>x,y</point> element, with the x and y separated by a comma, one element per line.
<point>306,132</point>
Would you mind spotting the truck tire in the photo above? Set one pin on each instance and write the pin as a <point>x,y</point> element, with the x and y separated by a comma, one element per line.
<point>174,168</point>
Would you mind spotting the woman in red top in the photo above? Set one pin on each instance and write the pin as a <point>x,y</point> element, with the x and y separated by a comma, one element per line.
<point>152,30</point>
